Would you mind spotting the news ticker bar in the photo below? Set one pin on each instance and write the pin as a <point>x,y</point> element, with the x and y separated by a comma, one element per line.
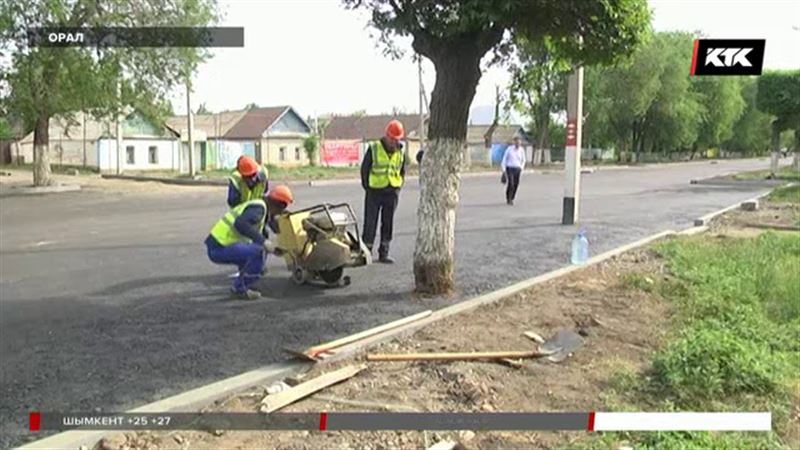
<point>366,421</point>
<point>136,37</point>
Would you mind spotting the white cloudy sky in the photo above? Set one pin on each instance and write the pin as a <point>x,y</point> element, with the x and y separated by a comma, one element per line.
<point>321,58</point>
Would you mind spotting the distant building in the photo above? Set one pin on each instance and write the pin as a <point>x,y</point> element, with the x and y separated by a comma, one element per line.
<point>81,140</point>
<point>482,138</point>
<point>271,135</point>
<point>357,131</point>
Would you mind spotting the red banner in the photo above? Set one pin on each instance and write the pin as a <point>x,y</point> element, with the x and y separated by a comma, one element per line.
<point>340,152</point>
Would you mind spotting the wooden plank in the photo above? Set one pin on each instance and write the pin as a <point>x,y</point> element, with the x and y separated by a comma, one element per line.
<point>277,401</point>
<point>317,349</point>
<point>468,356</point>
<point>534,337</point>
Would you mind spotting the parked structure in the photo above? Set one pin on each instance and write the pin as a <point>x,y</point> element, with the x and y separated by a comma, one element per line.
<point>82,140</point>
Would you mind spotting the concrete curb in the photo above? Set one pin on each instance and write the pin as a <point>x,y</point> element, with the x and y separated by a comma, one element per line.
<point>183,402</point>
<point>18,191</point>
<point>705,220</point>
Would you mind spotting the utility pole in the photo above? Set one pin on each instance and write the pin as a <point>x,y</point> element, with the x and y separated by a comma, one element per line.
<point>118,129</point>
<point>421,104</point>
<point>572,155</point>
<point>190,119</point>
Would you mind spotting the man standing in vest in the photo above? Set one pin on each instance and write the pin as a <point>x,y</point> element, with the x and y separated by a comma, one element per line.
<point>240,238</point>
<point>247,182</point>
<point>382,172</point>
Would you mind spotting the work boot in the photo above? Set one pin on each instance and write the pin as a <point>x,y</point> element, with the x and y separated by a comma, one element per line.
<point>248,294</point>
<point>385,259</point>
<point>383,254</point>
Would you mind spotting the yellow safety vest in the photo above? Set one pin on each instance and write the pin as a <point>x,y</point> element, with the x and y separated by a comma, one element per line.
<point>385,167</point>
<point>224,231</point>
<point>245,193</point>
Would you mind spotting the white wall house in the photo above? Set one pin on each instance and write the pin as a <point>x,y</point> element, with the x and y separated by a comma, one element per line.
<point>138,154</point>
<point>82,140</point>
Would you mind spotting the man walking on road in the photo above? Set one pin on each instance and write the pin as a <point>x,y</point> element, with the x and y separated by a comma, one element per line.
<point>247,182</point>
<point>239,238</point>
<point>513,163</point>
<point>382,173</point>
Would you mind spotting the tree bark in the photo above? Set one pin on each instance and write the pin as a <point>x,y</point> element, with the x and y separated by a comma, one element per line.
<point>776,149</point>
<point>42,175</point>
<point>457,76</point>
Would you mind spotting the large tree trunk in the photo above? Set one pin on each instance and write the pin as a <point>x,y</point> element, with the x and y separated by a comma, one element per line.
<point>776,150</point>
<point>41,160</point>
<point>457,76</point>
<point>796,162</point>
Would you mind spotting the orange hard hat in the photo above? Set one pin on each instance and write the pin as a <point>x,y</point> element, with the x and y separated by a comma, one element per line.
<point>247,166</point>
<point>281,193</point>
<point>394,129</point>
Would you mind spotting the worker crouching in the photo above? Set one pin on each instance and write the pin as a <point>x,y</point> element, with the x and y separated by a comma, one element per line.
<point>240,237</point>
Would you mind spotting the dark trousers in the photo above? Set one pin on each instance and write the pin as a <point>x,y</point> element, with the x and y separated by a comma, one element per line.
<point>512,182</point>
<point>383,203</point>
<point>250,259</point>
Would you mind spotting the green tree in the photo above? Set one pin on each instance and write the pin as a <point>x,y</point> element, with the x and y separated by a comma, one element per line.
<point>5,130</point>
<point>46,82</point>
<point>722,105</point>
<point>752,131</point>
<point>455,36</point>
<point>539,86</point>
<point>779,95</point>
<point>311,147</point>
<point>673,118</point>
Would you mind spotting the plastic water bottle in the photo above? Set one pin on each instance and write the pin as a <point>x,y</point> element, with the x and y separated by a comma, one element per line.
<point>580,248</point>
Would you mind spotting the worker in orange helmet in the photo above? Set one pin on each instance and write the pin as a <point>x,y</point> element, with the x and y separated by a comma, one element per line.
<point>240,237</point>
<point>383,171</point>
<point>248,182</point>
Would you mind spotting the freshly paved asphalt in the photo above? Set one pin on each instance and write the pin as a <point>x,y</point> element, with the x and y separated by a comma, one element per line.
<point>108,301</point>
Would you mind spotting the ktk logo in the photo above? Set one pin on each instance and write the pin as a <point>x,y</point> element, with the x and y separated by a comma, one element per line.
<point>728,56</point>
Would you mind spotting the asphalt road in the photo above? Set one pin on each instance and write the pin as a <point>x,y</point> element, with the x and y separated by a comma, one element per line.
<point>108,301</point>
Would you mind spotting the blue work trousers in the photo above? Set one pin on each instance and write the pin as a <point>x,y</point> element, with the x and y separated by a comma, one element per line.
<point>250,258</point>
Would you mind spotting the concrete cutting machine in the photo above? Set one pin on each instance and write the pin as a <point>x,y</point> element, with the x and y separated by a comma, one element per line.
<point>320,242</point>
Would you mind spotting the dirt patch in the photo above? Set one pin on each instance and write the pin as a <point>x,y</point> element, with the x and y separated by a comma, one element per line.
<point>741,223</point>
<point>621,326</point>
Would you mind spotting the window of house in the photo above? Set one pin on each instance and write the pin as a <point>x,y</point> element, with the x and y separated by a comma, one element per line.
<point>152,154</point>
<point>297,153</point>
<point>282,154</point>
<point>129,152</point>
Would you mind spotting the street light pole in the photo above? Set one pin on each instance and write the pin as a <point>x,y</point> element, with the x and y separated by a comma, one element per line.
<point>572,155</point>
<point>190,119</point>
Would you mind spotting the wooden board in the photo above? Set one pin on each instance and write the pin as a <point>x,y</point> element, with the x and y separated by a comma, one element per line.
<point>277,401</point>
<point>317,349</point>
<point>469,356</point>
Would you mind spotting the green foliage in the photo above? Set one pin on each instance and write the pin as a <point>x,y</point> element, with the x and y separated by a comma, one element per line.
<point>789,194</point>
<point>722,104</point>
<point>751,133</point>
<point>5,130</point>
<point>779,95</point>
<point>735,347</point>
<point>709,361</point>
<point>311,145</point>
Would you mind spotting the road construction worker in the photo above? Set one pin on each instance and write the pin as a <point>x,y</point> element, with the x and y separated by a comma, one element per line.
<point>383,170</point>
<point>240,238</point>
<point>248,182</point>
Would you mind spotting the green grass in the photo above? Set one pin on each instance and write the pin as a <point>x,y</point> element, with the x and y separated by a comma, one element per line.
<point>784,173</point>
<point>734,342</point>
<point>789,194</point>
